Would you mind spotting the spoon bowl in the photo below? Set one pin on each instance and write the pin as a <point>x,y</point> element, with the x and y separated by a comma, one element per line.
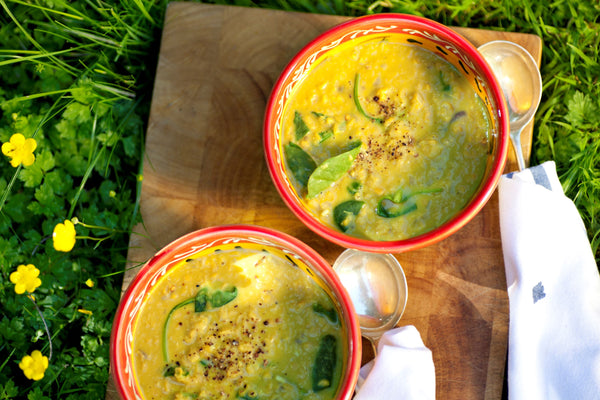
<point>377,287</point>
<point>521,83</point>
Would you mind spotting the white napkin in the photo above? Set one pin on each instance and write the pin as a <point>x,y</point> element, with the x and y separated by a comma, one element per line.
<point>403,369</point>
<point>553,288</point>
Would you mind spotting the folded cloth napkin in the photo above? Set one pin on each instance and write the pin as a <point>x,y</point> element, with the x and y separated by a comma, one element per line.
<point>553,289</point>
<point>403,369</point>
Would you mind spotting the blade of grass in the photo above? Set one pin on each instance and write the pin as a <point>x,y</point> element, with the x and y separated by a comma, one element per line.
<point>143,10</point>
<point>25,33</point>
<point>36,55</point>
<point>48,10</point>
<point>84,180</point>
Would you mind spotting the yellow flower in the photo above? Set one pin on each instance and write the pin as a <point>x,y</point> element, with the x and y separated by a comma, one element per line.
<point>34,366</point>
<point>20,150</point>
<point>89,283</point>
<point>84,311</point>
<point>25,278</point>
<point>63,236</point>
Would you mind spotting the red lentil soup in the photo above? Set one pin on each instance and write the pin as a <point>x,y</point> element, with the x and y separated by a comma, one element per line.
<point>239,322</point>
<point>385,140</point>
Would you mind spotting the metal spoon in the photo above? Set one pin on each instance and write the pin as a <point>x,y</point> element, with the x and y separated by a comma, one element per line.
<point>521,82</point>
<point>377,286</point>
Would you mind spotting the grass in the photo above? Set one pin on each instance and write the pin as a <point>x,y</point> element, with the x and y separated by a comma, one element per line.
<point>77,77</point>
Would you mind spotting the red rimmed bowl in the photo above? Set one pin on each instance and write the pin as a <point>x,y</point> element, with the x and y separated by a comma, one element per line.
<point>285,128</point>
<point>144,309</point>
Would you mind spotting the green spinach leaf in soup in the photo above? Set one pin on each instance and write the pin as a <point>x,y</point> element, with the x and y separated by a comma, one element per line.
<point>221,297</point>
<point>344,214</point>
<point>325,135</point>
<point>354,187</point>
<point>397,204</point>
<point>328,313</point>
<point>301,129</point>
<point>204,298</point>
<point>331,170</point>
<point>325,363</point>
<point>201,300</point>
<point>299,162</point>
<point>359,107</point>
<point>387,208</point>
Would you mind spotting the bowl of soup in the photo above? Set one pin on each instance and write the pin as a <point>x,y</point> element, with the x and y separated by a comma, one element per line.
<point>236,312</point>
<point>386,133</point>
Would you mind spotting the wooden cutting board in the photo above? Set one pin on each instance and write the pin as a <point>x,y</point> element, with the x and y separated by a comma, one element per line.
<point>204,166</point>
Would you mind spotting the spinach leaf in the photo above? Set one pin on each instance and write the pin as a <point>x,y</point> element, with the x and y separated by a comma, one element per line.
<point>328,313</point>
<point>354,187</point>
<point>344,214</point>
<point>331,170</point>
<point>386,208</point>
<point>165,347</point>
<point>325,135</point>
<point>201,300</point>
<point>318,114</point>
<point>325,362</point>
<point>169,370</point>
<point>408,195</point>
<point>396,205</point>
<point>221,297</point>
<point>357,102</point>
<point>300,126</point>
<point>300,162</point>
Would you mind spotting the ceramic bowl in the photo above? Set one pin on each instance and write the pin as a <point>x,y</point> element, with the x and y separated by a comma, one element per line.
<point>433,36</point>
<point>204,241</point>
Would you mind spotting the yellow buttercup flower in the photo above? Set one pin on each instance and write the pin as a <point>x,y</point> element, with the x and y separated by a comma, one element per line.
<point>25,278</point>
<point>34,366</point>
<point>89,283</point>
<point>20,150</point>
<point>63,236</point>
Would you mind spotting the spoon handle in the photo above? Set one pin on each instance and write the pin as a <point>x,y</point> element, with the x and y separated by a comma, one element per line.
<point>515,138</point>
<point>374,340</point>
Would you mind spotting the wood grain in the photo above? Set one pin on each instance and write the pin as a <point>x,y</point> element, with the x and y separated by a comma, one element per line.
<point>204,166</point>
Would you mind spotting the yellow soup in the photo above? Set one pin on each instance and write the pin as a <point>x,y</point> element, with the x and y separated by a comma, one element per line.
<point>385,140</point>
<point>238,323</point>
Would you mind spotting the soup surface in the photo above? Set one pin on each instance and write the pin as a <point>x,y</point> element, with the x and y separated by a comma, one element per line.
<point>238,323</point>
<point>385,140</point>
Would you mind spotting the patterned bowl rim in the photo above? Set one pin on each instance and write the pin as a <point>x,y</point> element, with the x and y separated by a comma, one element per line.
<point>446,40</point>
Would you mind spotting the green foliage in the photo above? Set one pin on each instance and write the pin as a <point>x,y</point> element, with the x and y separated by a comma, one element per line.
<point>568,122</point>
<point>77,77</point>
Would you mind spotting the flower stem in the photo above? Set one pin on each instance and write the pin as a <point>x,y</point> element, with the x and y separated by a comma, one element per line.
<point>30,297</point>
<point>8,358</point>
<point>9,187</point>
